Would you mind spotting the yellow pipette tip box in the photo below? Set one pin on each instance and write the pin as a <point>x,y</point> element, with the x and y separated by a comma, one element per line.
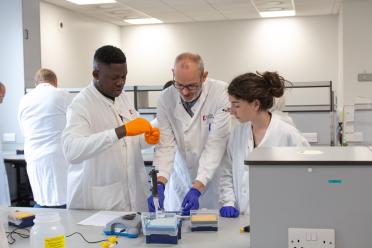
<point>204,220</point>
<point>204,217</point>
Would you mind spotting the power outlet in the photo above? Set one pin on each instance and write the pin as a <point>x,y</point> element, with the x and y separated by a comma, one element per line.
<point>311,238</point>
<point>9,137</point>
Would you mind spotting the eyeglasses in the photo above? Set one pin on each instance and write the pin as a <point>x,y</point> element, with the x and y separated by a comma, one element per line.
<point>189,87</point>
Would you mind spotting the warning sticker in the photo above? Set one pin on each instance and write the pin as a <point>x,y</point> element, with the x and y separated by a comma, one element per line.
<point>55,242</point>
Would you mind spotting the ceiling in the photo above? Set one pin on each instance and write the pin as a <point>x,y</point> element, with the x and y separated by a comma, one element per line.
<point>175,11</point>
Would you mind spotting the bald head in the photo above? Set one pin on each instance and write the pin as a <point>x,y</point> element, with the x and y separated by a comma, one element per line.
<point>2,92</point>
<point>184,60</point>
<point>44,75</point>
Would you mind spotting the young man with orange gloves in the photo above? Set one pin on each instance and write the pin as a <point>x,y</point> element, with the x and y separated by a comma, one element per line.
<point>103,141</point>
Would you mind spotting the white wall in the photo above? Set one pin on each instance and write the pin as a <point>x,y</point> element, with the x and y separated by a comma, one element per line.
<point>11,65</point>
<point>357,48</point>
<point>69,51</point>
<point>31,44</point>
<point>340,85</point>
<point>300,48</point>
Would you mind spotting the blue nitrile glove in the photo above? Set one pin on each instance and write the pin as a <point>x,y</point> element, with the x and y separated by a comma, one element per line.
<point>150,200</point>
<point>229,212</point>
<point>191,201</point>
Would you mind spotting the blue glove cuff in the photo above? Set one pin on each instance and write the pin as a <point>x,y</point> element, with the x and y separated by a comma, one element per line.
<point>197,192</point>
<point>161,186</point>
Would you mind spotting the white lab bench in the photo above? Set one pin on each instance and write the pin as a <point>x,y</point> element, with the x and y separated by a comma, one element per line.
<point>313,187</point>
<point>228,234</point>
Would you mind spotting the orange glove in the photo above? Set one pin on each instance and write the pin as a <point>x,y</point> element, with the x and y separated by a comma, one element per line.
<point>153,136</point>
<point>137,126</point>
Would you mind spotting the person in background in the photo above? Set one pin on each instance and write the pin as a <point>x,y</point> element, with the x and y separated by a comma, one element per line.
<point>194,131</point>
<point>155,123</point>
<point>42,118</point>
<point>4,187</point>
<point>2,92</point>
<point>251,96</point>
<point>103,139</point>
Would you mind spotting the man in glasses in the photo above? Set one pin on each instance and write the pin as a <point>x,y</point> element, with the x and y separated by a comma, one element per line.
<point>194,131</point>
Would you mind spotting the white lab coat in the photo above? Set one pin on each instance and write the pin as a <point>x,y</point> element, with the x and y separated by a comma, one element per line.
<point>4,187</point>
<point>42,118</point>
<point>192,147</point>
<point>3,236</point>
<point>284,117</point>
<point>105,173</point>
<point>235,176</point>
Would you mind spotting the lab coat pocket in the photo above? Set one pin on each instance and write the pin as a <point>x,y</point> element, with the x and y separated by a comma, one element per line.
<point>108,197</point>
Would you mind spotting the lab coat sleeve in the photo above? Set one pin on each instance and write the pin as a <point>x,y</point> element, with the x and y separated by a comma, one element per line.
<point>227,195</point>
<point>19,116</point>
<point>78,142</point>
<point>215,146</point>
<point>166,149</point>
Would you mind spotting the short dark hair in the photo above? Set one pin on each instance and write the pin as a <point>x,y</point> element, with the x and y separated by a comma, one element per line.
<point>168,84</point>
<point>109,55</point>
<point>256,86</point>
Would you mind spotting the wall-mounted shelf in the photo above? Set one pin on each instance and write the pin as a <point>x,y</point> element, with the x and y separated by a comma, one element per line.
<point>313,110</point>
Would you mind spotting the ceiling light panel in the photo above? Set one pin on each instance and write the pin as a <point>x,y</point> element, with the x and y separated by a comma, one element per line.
<point>269,8</point>
<point>143,21</point>
<point>231,5</point>
<point>282,13</point>
<point>274,3</point>
<point>264,5</point>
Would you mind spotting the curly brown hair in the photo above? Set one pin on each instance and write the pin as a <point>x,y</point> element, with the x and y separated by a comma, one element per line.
<point>258,86</point>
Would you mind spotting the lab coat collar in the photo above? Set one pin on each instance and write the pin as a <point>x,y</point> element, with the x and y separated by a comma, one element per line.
<point>100,95</point>
<point>181,114</point>
<point>122,109</point>
<point>44,84</point>
<point>273,121</point>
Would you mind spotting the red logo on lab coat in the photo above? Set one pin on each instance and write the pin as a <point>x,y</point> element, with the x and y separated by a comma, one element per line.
<point>206,117</point>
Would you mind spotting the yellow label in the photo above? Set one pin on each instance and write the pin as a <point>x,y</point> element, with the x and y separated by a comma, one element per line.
<point>23,214</point>
<point>55,242</point>
<point>204,217</point>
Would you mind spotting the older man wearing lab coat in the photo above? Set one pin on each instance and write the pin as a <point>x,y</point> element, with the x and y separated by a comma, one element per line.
<point>195,126</point>
<point>42,118</point>
<point>103,141</point>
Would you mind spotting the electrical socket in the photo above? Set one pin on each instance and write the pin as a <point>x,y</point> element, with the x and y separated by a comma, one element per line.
<point>364,77</point>
<point>311,238</point>
<point>9,137</point>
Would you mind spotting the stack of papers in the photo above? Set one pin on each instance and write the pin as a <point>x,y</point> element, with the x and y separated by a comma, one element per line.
<point>102,218</point>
